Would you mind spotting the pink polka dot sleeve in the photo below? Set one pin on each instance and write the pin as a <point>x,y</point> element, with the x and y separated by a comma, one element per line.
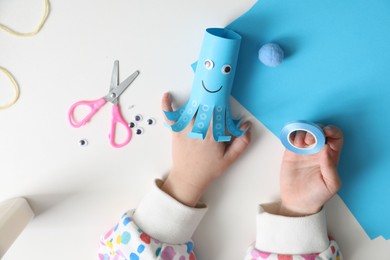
<point>127,241</point>
<point>331,253</point>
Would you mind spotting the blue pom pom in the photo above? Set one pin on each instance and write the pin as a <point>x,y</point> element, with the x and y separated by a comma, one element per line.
<point>271,54</point>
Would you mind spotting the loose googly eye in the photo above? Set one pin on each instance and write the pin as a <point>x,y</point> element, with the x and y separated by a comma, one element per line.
<point>138,118</point>
<point>139,131</point>
<point>208,64</point>
<point>83,142</point>
<point>226,69</point>
<point>151,121</point>
<point>132,124</point>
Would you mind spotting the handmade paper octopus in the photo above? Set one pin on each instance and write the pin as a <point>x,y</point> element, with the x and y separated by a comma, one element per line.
<point>211,89</point>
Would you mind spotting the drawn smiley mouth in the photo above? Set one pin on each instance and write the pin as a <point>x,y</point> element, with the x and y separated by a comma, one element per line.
<point>210,91</point>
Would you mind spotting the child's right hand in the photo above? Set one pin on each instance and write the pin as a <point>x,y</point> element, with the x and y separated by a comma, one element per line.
<point>308,181</point>
<point>197,163</point>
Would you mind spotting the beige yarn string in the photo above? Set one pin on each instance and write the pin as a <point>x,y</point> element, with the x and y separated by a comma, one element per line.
<point>21,34</point>
<point>15,86</point>
<point>39,27</point>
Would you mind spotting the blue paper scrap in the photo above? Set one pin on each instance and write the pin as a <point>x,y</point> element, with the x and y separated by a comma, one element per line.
<point>336,71</point>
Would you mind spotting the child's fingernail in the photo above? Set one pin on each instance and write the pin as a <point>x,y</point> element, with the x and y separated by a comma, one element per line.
<point>249,123</point>
<point>327,128</point>
<point>167,95</point>
<point>246,125</point>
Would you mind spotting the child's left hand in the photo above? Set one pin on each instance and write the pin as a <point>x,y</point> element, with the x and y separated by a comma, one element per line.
<point>197,163</point>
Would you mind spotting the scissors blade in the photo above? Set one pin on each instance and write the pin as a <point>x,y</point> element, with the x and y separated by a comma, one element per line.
<point>115,76</point>
<point>117,91</point>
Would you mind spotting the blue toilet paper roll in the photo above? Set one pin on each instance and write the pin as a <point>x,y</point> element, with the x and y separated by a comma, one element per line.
<point>309,127</point>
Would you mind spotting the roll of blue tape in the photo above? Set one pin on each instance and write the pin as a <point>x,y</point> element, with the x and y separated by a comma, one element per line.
<point>309,127</point>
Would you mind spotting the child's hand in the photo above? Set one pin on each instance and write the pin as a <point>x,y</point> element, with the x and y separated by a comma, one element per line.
<point>197,163</point>
<point>308,181</point>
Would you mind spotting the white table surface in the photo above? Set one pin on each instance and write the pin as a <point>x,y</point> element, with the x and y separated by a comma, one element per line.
<point>79,192</point>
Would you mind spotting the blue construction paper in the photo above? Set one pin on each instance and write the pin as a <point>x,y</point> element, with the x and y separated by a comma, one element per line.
<point>211,89</point>
<point>336,71</point>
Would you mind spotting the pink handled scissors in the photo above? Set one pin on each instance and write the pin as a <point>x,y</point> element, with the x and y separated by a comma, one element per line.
<point>116,90</point>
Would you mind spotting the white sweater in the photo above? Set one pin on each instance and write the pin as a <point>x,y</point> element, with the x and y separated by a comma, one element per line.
<point>161,228</point>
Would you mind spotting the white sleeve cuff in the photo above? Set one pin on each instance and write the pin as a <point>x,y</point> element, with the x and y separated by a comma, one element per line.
<point>164,218</point>
<point>290,235</point>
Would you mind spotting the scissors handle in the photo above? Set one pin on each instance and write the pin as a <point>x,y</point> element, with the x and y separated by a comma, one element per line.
<point>117,118</point>
<point>93,105</point>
